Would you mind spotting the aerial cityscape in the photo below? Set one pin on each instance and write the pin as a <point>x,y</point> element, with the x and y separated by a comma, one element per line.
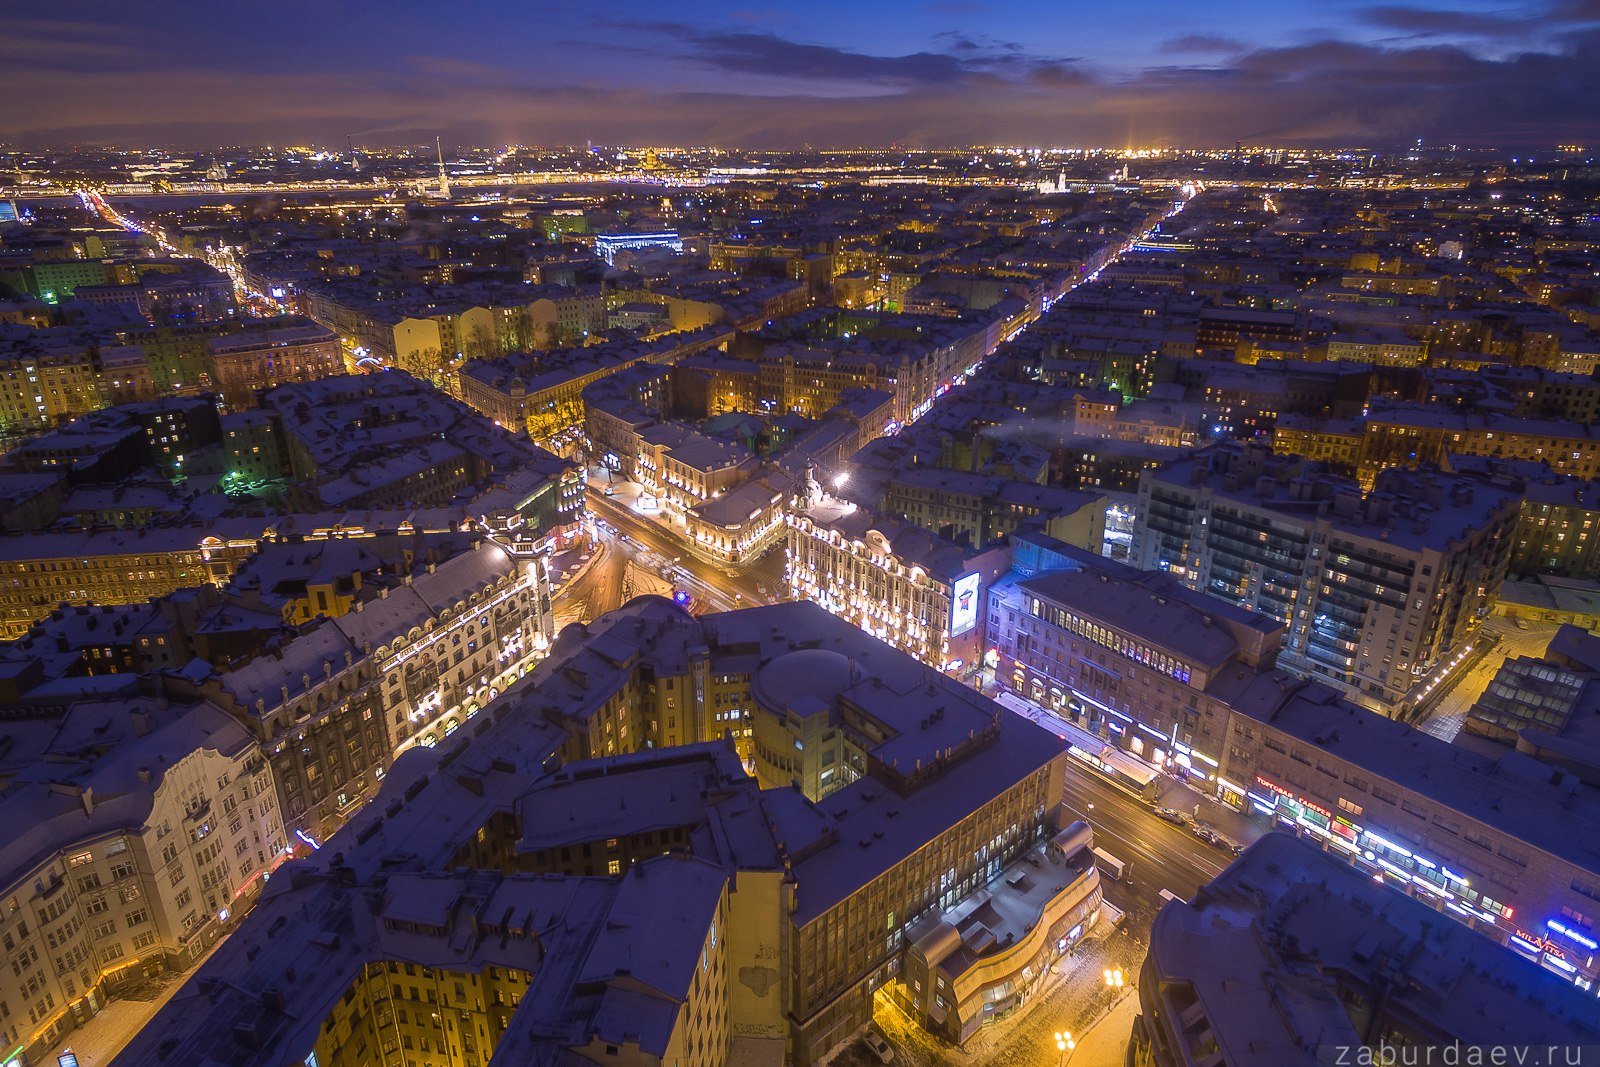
<point>704,536</point>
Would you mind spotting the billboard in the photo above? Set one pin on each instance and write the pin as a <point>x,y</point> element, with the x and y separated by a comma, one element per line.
<point>964,604</point>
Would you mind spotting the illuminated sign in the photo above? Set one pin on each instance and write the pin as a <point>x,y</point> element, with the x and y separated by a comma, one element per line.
<point>1524,940</point>
<point>964,604</point>
<point>1324,812</point>
<point>1574,934</point>
<point>1273,787</point>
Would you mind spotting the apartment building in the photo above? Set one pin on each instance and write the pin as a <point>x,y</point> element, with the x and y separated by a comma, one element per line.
<point>144,832</point>
<point>791,906</point>
<point>289,351</point>
<point>897,581</point>
<point>408,664</point>
<point>1378,590</point>
<point>1488,836</point>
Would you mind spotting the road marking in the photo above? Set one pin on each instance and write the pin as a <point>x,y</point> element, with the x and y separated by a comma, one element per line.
<point>1151,852</point>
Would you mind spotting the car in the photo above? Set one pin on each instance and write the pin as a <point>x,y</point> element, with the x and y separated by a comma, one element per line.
<point>610,490</point>
<point>878,1046</point>
<point>1207,834</point>
<point>1172,815</point>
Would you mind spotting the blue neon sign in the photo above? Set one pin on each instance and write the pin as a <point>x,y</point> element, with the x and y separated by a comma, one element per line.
<point>1573,934</point>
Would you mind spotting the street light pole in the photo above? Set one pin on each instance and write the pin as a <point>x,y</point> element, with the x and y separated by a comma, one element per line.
<point>1065,1044</point>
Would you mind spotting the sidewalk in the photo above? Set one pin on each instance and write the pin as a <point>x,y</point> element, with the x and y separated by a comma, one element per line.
<point>1236,826</point>
<point>98,1041</point>
<point>1105,1042</point>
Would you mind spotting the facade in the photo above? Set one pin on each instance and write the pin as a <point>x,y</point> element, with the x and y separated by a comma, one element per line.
<point>39,390</point>
<point>1141,663</point>
<point>1408,434</point>
<point>1378,590</point>
<point>1558,531</point>
<point>984,958</point>
<point>334,705</point>
<point>544,394</point>
<point>897,581</point>
<point>1336,442</point>
<point>115,566</point>
<point>290,351</point>
<point>129,862</point>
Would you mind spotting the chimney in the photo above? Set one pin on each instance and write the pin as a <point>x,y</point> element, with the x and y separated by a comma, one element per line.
<point>141,722</point>
<point>88,800</point>
<point>144,775</point>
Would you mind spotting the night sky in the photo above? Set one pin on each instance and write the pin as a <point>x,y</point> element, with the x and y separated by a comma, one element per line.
<point>824,72</point>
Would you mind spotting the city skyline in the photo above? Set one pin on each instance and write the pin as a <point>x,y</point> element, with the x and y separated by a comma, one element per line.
<point>941,533</point>
<point>1518,76</point>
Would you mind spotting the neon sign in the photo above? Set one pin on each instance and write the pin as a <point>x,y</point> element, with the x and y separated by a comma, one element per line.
<point>1573,934</point>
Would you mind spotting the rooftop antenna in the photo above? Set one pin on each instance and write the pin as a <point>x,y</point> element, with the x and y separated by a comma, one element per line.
<point>444,179</point>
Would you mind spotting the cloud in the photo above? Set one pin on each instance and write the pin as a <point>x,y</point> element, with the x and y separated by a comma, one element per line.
<point>1437,22</point>
<point>1201,43</point>
<point>773,56</point>
<point>758,89</point>
<point>61,44</point>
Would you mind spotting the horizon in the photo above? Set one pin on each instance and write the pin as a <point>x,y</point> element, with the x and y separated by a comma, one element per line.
<point>950,72</point>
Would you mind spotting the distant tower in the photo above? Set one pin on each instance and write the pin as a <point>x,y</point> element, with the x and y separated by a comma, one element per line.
<point>444,179</point>
<point>350,153</point>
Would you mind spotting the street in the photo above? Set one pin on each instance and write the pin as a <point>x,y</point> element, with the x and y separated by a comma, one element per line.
<point>1159,854</point>
<point>719,587</point>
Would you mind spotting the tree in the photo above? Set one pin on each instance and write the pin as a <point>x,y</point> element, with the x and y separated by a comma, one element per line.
<point>517,332</point>
<point>479,343</point>
<point>423,363</point>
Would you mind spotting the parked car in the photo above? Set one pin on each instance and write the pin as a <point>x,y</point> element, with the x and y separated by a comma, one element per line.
<point>878,1046</point>
<point>1172,815</point>
<point>1208,835</point>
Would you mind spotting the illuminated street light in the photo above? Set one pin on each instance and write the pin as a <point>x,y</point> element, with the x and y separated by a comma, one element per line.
<point>1065,1043</point>
<point>1114,978</point>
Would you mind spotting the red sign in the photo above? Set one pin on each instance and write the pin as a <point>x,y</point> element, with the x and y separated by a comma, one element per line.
<point>1274,787</point>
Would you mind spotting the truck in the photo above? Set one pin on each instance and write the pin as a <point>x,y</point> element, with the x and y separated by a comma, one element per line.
<point>1110,865</point>
<point>1071,841</point>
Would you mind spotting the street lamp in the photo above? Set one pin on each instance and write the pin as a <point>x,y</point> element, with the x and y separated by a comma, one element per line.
<point>1065,1043</point>
<point>1114,979</point>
